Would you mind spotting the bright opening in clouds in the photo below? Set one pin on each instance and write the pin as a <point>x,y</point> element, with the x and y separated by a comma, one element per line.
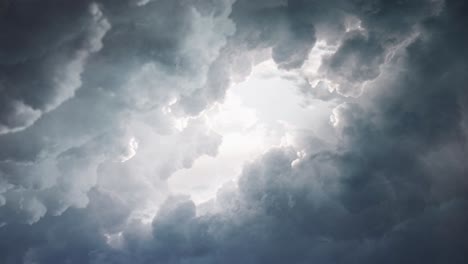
<point>250,125</point>
<point>233,131</point>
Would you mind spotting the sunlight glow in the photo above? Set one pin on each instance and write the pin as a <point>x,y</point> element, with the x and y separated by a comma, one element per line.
<point>250,125</point>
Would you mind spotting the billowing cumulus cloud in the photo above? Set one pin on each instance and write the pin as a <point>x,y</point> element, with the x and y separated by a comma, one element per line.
<point>101,102</point>
<point>125,91</point>
<point>44,49</point>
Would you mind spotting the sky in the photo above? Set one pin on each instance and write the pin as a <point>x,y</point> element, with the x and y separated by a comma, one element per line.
<point>233,131</point>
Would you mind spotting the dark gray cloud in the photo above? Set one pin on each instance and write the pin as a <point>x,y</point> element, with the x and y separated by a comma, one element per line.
<point>356,61</point>
<point>43,52</point>
<point>393,189</point>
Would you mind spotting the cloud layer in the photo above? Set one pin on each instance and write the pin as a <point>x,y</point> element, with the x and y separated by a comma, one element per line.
<point>101,102</point>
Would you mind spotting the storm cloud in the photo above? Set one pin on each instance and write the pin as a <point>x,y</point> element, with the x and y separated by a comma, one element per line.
<point>102,102</point>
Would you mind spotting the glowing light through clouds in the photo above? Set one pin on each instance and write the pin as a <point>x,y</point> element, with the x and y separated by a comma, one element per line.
<point>233,131</point>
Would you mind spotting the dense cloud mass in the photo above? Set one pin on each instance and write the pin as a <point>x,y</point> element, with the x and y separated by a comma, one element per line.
<point>101,102</point>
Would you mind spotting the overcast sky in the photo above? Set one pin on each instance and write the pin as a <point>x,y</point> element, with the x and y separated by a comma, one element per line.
<point>233,131</point>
